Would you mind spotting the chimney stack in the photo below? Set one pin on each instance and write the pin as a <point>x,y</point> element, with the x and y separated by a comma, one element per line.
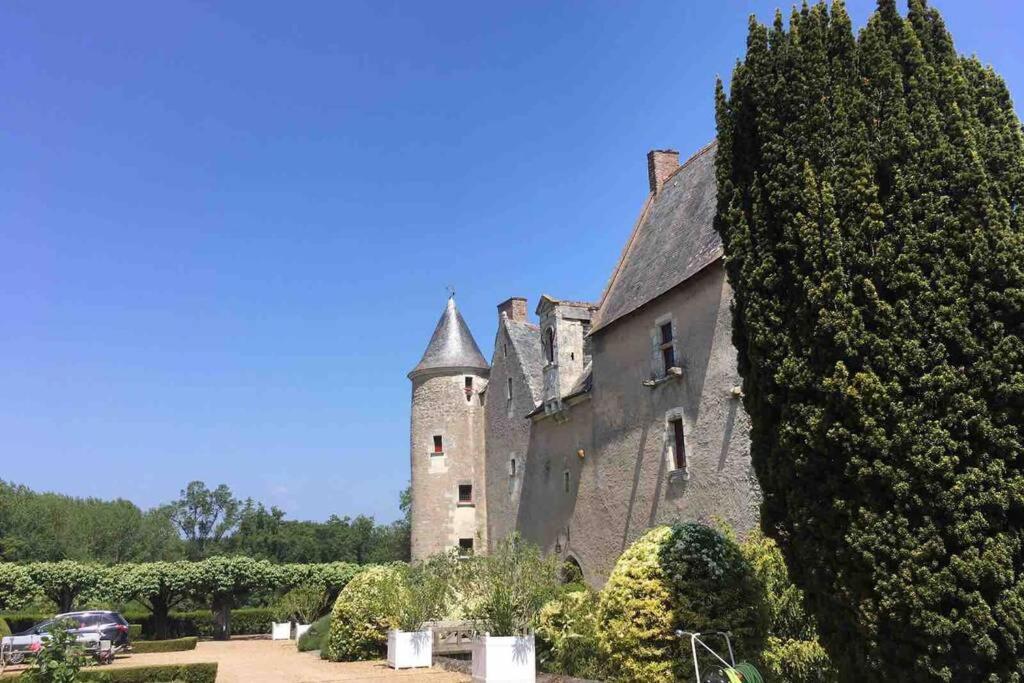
<point>514,309</point>
<point>661,163</point>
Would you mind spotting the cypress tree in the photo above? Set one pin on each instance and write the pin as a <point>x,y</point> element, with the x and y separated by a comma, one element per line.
<point>869,201</point>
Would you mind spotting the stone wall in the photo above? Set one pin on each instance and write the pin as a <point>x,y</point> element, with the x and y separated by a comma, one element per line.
<point>440,407</point>
<point>508,436</point>
<point>624,483</point>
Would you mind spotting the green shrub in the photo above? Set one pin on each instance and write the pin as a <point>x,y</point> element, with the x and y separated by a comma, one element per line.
<point>60,658</point>
<point>304,604</point>
<point>714,588</point>
<point>637,613</point>
<point>314,638</point>
<point>183,673</point>
<point>506,589</point>
<point>366,608</point>
<point>174,645</point>
<point>567,636</point>
<point>5,630</point>
<point>135,632</point>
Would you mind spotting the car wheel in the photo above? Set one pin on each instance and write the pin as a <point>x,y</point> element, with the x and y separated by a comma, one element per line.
<point>16,658</point>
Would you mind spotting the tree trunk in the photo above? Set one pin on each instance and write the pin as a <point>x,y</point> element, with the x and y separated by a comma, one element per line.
<point>221,618</point>
<point>159,621</point>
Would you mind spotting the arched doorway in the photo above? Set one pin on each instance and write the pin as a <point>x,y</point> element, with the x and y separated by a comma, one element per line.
<point>572,571</point>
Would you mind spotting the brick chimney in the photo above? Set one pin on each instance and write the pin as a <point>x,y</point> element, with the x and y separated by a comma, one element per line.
<point>661,163</point>
<point>514,308</point>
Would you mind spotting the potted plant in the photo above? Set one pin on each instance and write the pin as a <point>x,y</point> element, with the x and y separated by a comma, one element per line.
<point>303,605</point>
<point>430,587</point>
<point>507,589</point>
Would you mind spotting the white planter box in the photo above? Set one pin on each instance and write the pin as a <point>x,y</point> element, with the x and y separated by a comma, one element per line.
<point>300,629</point>
<point>281,631</point>
<point>410,649</point>
<point>504,660</point>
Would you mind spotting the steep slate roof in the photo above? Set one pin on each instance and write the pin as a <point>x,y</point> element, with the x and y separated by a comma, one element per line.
<point>452,345</point>
<point>526,342</point>
<point>673,240</point>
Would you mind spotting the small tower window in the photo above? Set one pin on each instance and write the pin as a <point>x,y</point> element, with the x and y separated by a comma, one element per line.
<point>512,467</point>
<point>549,345</point>
<point>678,443</point>
<point>465,547</point>
<point>465,494</point>
<point>668,351</point>
<point>469,388</point>
<point>438,444</point>
<point>565,481</point>
<point>508,393</point>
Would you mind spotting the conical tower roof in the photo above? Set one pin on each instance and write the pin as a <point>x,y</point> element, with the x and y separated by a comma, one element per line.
<point>452,345</point>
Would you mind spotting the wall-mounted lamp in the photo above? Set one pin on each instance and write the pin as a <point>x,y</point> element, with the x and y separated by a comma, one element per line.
<point>581,454</point>
<point>736,391</point>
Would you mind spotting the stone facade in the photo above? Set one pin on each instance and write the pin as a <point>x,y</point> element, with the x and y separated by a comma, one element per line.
<point>607,418</point>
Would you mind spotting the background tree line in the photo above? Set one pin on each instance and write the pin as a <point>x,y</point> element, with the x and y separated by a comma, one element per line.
<point>201,523</point>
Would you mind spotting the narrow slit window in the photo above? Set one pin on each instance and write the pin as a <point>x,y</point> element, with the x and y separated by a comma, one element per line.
<point>512,467</point>
<point>678,444</point>
<point>508,392</point>
<point>465,547</point>
<point>469,388</point>
<point>565,481</point>
<point>549,345</point>
<point>438,444</point>
<point>465,493</point>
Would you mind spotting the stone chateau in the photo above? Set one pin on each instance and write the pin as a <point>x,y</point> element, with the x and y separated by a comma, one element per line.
<point>601,419</point>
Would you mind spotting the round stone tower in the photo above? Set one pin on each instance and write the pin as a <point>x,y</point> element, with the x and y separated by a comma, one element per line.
<point>446,441</point>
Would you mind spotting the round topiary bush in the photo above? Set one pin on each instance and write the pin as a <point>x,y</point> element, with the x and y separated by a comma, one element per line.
<point>366,608</point>
<point>714,589</point>
<point>637,613</point>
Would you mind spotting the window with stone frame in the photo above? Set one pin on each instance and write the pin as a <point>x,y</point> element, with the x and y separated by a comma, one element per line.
<point>438,444</point>
<point>675,441</point>
<point>667,346</point>
<point>512,467</point>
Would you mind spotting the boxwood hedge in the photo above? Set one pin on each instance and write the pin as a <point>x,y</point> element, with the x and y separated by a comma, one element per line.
<point>173,645</point>
<point>185,673</point>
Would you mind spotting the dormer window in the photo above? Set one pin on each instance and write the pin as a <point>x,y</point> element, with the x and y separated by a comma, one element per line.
<point>549,345</point>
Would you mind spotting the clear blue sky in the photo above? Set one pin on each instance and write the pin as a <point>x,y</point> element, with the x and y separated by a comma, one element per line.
<point>226,228</point>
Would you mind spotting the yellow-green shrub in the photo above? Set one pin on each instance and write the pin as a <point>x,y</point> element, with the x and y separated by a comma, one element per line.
<point>567,636</point>
<point>792,653</point>
<point>637,613</point>
<point>366,608</point>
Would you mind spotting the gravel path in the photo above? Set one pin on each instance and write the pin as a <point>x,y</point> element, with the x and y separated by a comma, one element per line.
<point>268,661</point>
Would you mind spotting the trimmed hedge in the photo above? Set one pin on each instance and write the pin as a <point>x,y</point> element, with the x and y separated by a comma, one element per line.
<point>247,621</point>
<point>185,673</point>
<point>135,631</point>
<point>174,645</point>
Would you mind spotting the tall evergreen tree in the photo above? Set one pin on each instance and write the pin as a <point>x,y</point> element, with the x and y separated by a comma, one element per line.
<point>869,197</point>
